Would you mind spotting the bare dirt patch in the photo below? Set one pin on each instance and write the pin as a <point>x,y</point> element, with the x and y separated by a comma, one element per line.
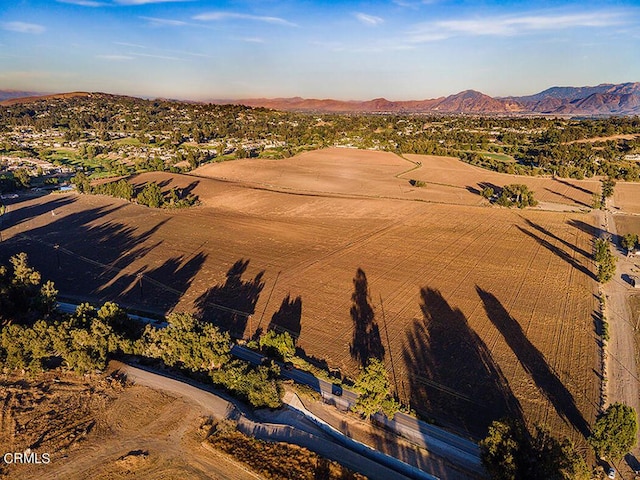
<point>94,428</point>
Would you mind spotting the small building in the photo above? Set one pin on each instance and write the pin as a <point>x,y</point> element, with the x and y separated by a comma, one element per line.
<point>635,282</point>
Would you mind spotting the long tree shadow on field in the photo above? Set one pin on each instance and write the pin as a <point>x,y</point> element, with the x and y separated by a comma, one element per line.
<point>546,232</point>
<point>366,342</point>
<point>452,375</point>
<point>288,317</point>
<point>597,232</point>
<point>567,197</point>
<point>533,361</point>
<point>559,252</point>
<point>230,304</point>
<point>89,258</point>
<point>569,184</point>
<point>17,213</point>
<point>167,283</point>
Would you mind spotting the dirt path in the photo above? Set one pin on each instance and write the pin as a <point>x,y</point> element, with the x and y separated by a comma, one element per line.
<point>622,377</point>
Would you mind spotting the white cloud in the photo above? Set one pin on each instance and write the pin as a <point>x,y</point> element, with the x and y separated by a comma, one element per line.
<point>116,58</point>
<point>134,45</point>
<point>369,19</point>
<point>252,39</point>
<point>23,27</point>
<point>216,16</point>
<point>164,22</point>
<point>147,2</point>
<point>413,4</point>
<point>149,55</point>
<point>511,25</point>
<point>83,3</point>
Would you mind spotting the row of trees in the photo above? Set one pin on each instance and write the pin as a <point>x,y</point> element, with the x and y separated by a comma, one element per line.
<point>605,260</point>
<point>33,337</point>
<point>149,195</point>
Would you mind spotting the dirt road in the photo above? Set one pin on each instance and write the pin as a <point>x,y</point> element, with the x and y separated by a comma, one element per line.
<point>622,375</point>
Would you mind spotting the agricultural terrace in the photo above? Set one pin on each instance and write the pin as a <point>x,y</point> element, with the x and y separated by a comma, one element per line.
<point>477,311</point>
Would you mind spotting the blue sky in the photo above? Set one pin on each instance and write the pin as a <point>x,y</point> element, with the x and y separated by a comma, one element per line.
<point>397,49</point>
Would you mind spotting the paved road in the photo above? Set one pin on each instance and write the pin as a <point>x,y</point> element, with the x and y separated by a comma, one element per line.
<point>623,383</point>
<point>457,450</point>
<point>279,427</point>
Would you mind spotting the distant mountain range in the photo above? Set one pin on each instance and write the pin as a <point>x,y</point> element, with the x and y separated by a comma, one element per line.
<point>604,99</point>
<point>8,94</point>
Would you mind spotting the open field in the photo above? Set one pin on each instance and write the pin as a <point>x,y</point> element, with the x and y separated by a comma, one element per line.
<point>352,172</point>
<point>627,224</point>
<point>477,311</point>
<point>450,171</point>
<point>626,196</point>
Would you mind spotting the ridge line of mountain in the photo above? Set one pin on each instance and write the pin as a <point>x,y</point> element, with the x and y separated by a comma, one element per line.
<point>603,99</point>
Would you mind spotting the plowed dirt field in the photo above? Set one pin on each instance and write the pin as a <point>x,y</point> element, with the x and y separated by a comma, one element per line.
<point>477,311</point>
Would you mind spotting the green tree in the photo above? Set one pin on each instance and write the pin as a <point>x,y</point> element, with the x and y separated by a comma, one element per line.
<point>373,385</point>
<point>605,260</point>
<point>488,192</point>
<point>151,196</point>
<point>278,344</point>
<point>22,178</point>
<point>510,452</point>
<point>500,449</point>
<point>48,296</point>
<point>607,187</point>
<point>518,195</point>
<point>258,385</point>
<point>629,241</point>
<point>615,432</point>
<point>187,342</point>
<point>82,183</point>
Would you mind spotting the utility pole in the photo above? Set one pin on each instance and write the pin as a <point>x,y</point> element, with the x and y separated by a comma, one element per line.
<point>386,331</point>
<point>139,276</point>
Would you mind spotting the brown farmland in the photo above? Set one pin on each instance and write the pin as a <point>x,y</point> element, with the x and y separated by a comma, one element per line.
<point>626,196</point>
<point>361,173</point>
<point>477,311</point>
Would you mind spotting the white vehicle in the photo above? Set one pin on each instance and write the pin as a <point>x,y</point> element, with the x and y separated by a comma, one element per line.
<point>612,473</point>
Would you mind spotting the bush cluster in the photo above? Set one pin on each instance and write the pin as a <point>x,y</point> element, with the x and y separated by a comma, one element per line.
<point>85,340</point>
<point>150,195</point>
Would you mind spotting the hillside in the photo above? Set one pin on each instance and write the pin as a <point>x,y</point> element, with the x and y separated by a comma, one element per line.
<point>603,99</point>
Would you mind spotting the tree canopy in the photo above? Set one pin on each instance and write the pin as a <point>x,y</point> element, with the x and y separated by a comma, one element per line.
<point>510,452</point>
<point>375,396</point>
<point>615,432</point>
